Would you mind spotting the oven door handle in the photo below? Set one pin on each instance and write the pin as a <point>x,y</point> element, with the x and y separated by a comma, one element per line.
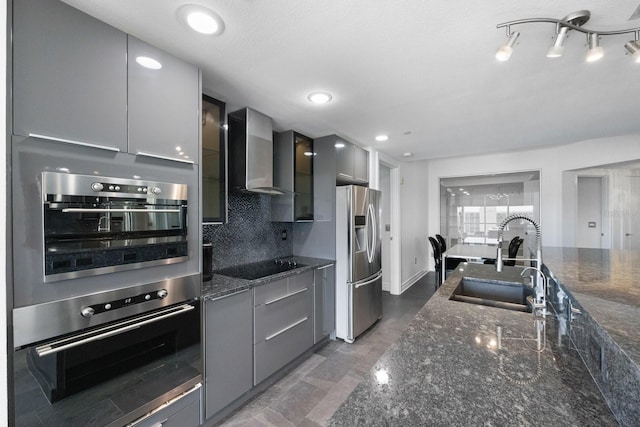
<point>66,210</point>
<point>106,332</point>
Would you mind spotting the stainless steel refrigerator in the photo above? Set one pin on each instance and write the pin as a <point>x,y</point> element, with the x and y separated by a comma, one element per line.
<point>358,260</point>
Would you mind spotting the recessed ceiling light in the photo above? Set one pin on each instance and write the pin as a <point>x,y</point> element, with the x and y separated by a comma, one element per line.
<point>149,63</point>
<point>319,97</point>
<point>201,19</point>
<point>382,138</point>
<point>339,145</point>
<point>407,154</point>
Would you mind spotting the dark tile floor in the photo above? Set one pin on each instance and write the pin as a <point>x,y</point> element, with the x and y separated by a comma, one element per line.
<point>310,394</point>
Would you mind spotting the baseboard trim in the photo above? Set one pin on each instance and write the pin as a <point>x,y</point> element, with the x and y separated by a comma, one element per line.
<point>412,280</point>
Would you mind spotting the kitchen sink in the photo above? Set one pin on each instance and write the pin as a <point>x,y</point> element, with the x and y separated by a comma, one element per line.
<point>494,293</point>
<point>260,269</point>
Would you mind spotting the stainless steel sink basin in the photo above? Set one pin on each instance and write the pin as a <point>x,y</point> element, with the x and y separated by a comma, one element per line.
<point>507,295</point>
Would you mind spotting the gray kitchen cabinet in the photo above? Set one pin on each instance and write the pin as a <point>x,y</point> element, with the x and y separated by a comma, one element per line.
<point>228,350</point>
<point>324,304</point>
<point>182,412</point>
<point>163,105</point>
<point>352,163</point>
<point>283,323</point>
<point>360,164</point>
<point>344,160</point>
<point>293,159</point>
<point>214,161</point>
<point>69,76</point>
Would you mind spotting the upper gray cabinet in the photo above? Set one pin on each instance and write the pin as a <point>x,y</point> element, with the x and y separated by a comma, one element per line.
<point>293,159</point>
<point>214,161</point>
<point>352,163</point>
<point>164,104</point>
<point>69,76</point>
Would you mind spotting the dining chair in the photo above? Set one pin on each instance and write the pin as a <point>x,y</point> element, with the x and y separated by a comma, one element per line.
<point>514,246</point>
<point>449,263</point>
<point>512,243</point>
<point>437,258</point>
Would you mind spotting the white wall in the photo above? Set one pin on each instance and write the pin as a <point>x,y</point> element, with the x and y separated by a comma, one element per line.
<point>550,161</point>
<point>414,197</point>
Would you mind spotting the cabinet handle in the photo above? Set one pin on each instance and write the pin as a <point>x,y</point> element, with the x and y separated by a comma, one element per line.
<point>282,331</point>
<point>109,331</point>
<point>72,142</point>
<point>345,175</point>
<point>229,295</point>
<point>158,156</point>
<point>285,296</point>
<point>161,407</point>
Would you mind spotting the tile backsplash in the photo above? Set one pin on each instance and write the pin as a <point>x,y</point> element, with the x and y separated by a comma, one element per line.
<point>249,236</point>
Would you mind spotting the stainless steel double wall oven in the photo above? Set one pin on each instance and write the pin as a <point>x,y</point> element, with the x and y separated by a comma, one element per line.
<point>106,283</point>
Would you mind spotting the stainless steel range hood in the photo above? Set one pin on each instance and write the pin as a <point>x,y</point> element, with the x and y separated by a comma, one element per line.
<point>251,152</point>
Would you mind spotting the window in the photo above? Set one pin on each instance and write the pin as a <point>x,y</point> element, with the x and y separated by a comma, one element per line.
<point>472,208</point>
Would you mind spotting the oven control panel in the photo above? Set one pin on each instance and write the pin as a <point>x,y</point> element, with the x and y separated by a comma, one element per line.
<point>125,189</point>
<point>90,310</point>
<point>57,184</point>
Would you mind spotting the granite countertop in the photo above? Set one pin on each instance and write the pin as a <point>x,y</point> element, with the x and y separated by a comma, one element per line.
<point>606,284</point>
<point>220,285</point>
<point>448,369</point>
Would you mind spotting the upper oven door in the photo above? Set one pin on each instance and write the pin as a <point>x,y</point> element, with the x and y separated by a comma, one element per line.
<point>111,220</point>
<point>97,225</point>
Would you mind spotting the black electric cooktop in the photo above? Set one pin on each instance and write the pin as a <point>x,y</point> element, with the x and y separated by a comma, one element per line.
<point>257,270</point>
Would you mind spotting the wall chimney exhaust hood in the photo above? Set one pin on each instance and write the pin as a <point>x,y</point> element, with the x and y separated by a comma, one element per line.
<point>251,152</point>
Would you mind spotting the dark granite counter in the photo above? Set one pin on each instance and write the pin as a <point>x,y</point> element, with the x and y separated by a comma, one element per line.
<point>602,284</point>
<point>220,285</point>
<point>606,283</point>
<point>461,364</point>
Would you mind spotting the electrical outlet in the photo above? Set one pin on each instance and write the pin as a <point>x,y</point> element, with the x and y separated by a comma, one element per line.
<point>284,234</point>
<point>415,261</point>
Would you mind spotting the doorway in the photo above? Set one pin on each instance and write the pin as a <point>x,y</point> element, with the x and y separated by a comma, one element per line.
<point>592,203</point>
<point>386,175</point>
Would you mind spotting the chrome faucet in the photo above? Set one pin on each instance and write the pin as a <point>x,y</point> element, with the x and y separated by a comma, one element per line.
<point>503,224</point>
<point>540,301</point>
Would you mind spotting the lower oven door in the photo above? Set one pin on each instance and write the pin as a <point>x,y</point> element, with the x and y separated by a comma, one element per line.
<point>114,374</point>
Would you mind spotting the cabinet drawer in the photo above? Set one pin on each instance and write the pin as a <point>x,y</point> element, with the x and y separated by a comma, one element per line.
<point>301,281</point>
<point>271,318</point>
<point>270,291</point>
<point>183,412</point>
<point>281,349</point>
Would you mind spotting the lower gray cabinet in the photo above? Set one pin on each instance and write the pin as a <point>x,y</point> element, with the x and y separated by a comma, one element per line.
<point>183,412</point>
<point>324,304</point>
<point>283,319</point>
<point>228,349</point>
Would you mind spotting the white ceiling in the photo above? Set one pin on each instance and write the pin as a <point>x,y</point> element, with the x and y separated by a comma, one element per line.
<point>423,72</point>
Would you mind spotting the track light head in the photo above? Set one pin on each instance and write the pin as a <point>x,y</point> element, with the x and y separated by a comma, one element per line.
<point>557,49</point>
<point>595,52</point>
<point>505,51</point>
<point>633,47</point>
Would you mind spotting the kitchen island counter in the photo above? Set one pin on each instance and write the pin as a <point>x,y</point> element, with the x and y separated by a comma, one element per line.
<point>465,364</point>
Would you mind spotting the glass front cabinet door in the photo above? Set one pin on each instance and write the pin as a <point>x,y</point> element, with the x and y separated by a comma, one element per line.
<point>214,161</point>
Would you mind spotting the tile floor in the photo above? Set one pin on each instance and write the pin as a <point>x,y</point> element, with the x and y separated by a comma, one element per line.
<point>310,394</point>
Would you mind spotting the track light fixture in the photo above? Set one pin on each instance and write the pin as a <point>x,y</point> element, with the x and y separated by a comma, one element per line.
<point>573,21</point>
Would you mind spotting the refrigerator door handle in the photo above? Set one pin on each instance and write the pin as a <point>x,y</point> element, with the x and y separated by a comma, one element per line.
<point>368,282</point>
<point>371,244</point>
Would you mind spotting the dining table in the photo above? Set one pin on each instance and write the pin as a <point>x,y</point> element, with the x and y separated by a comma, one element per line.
<point>472,253</point>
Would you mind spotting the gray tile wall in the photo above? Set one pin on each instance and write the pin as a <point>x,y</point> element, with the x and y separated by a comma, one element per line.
<point>249,236</point>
